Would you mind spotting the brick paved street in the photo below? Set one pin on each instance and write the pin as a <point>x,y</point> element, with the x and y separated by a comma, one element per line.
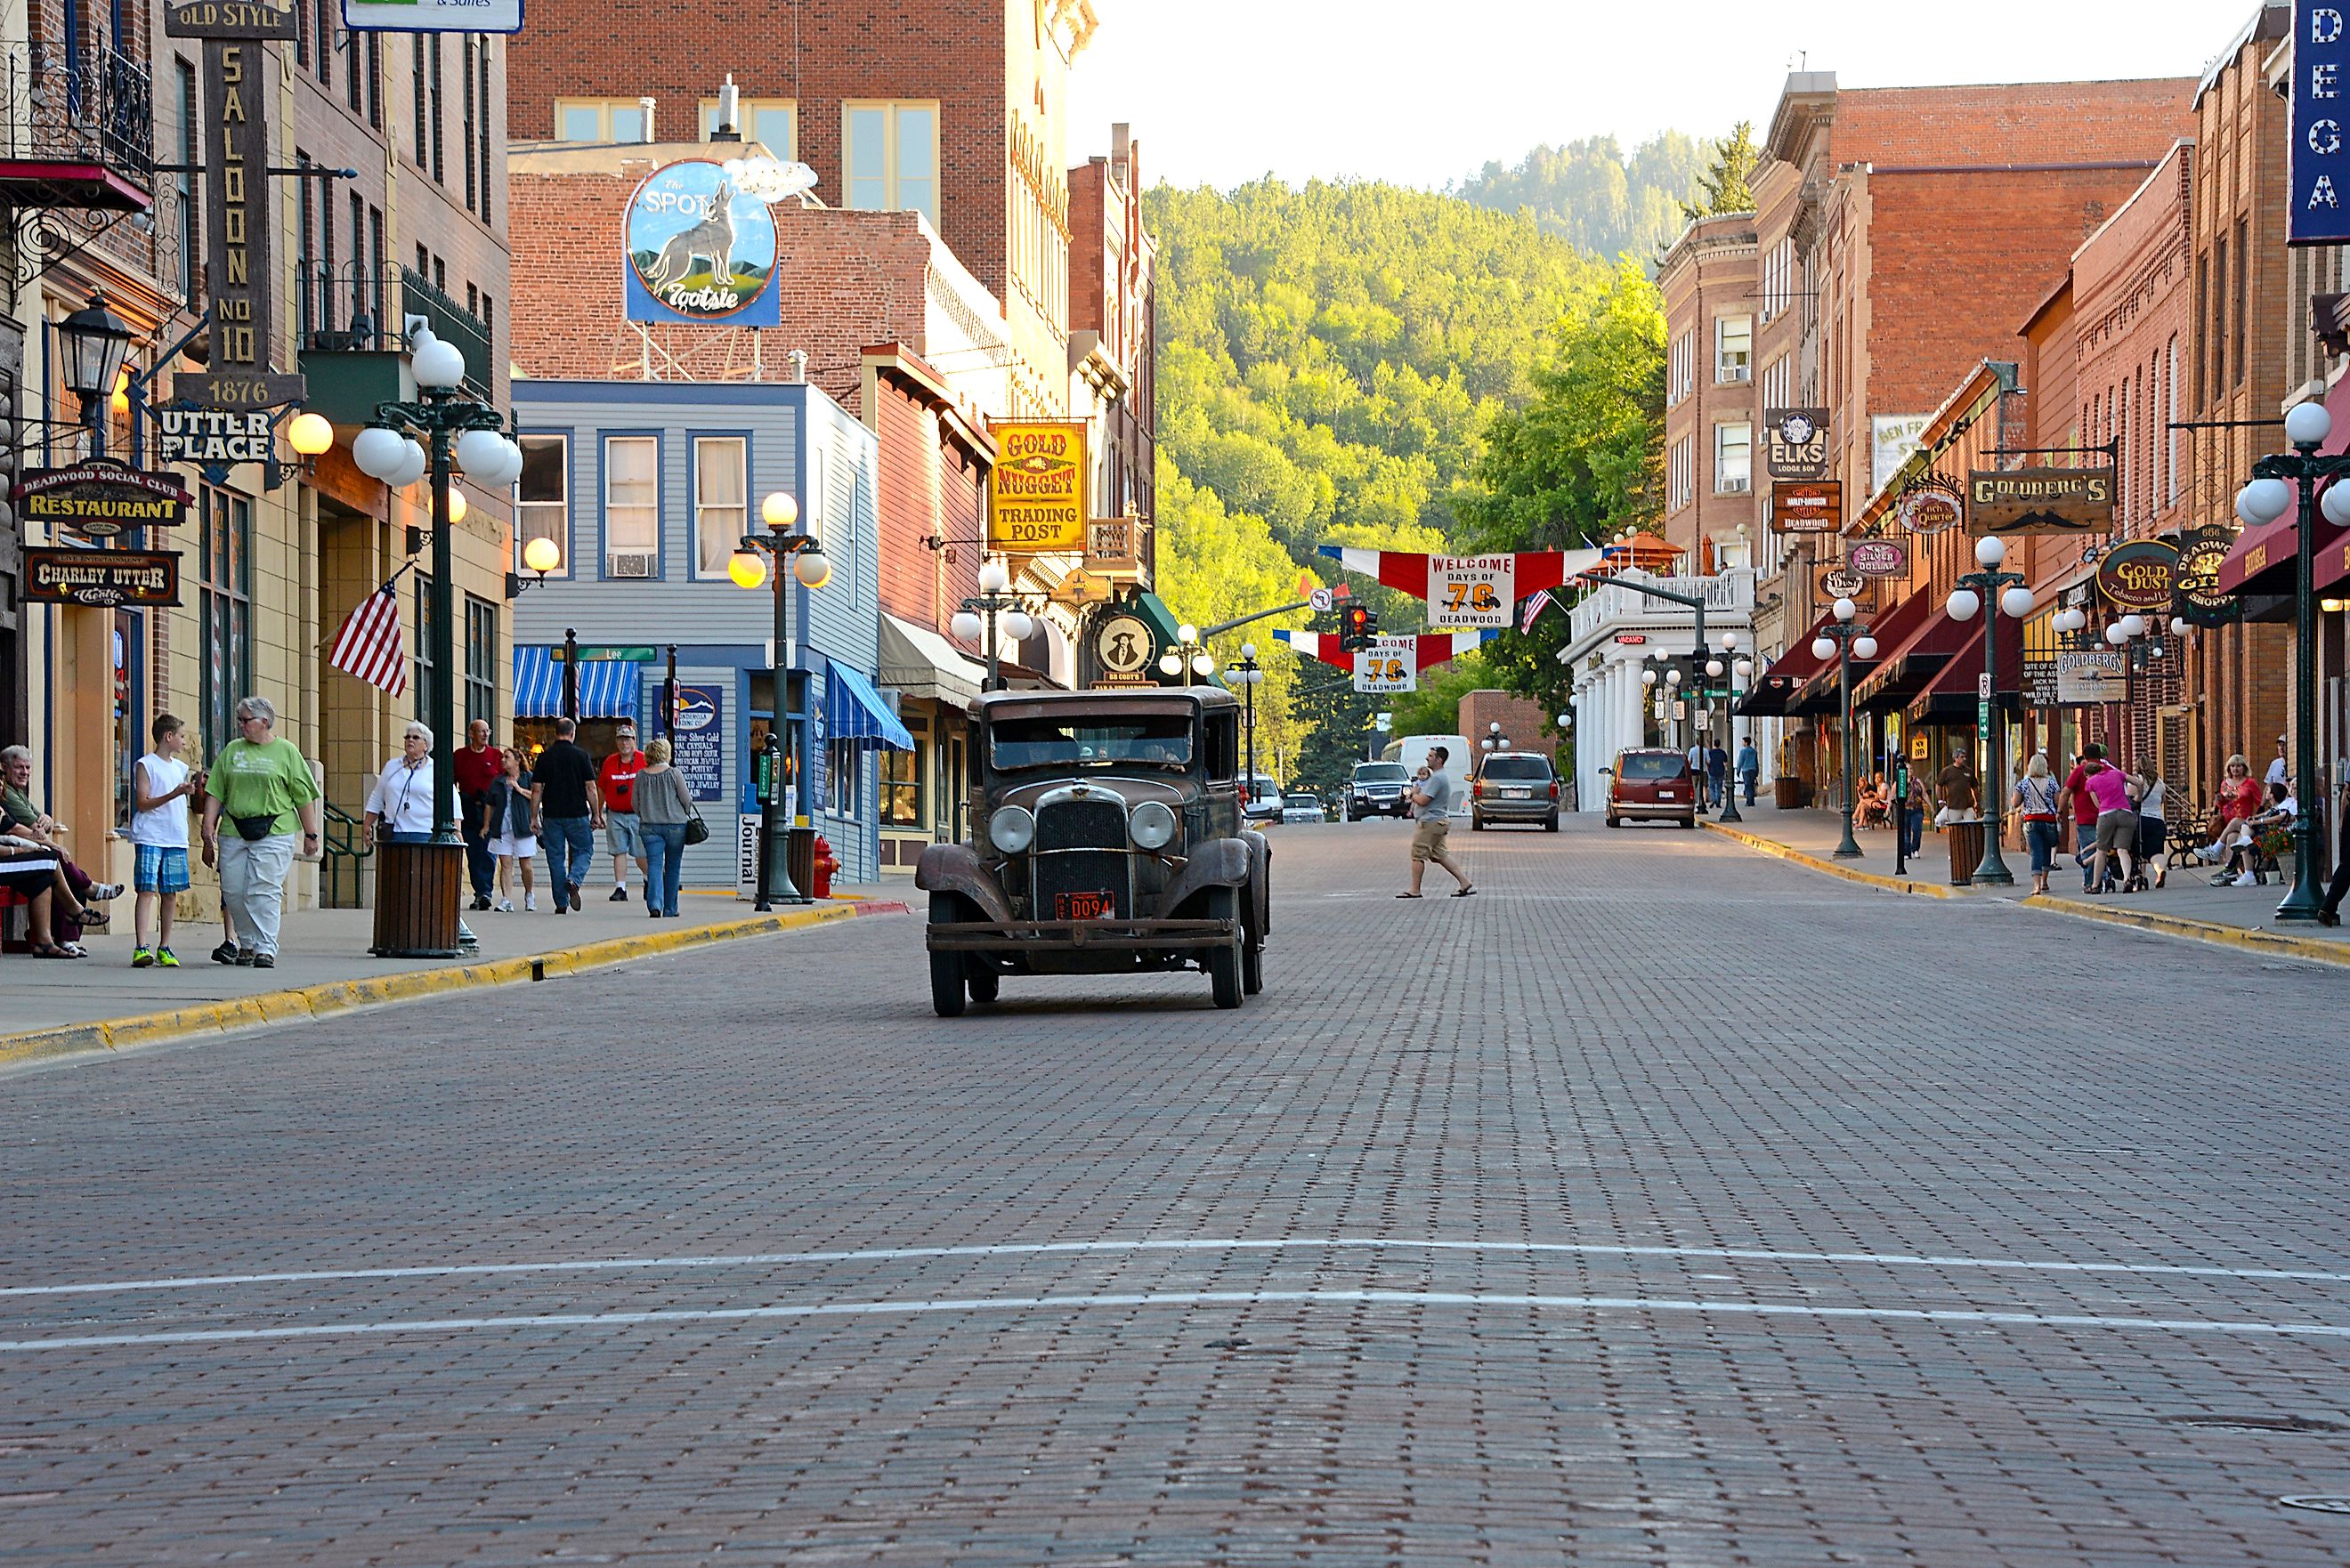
<point>1666,1204</point>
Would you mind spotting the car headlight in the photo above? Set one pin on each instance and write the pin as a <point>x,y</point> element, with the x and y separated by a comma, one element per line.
<point>1011,829</point>
<point>1152,824</point>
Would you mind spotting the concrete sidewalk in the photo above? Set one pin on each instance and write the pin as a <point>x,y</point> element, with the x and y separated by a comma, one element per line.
<point>2187,906</point>
<point>323,953</point>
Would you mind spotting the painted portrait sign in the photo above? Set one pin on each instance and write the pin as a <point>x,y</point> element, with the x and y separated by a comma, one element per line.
<point>700,250</point>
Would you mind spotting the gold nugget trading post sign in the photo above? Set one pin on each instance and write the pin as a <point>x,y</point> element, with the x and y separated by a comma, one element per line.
<point>1037,492</point>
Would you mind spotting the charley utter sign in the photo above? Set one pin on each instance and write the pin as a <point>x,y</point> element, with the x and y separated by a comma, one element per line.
<point>101,578</point>
<point>700,251</point>
<point>1036,491</point>
<point>2015,500</point>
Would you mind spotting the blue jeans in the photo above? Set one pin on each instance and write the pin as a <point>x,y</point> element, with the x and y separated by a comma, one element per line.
<point>1913,830</point>
<point>2042,836</point>
<point>570,843</point>
<point>1747,780</point>
<point>664,863</point>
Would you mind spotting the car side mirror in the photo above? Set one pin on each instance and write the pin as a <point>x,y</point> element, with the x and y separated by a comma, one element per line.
<point>1606,773</point>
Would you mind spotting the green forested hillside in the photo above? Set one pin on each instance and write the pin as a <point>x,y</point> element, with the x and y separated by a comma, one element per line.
<point>1591,195</point>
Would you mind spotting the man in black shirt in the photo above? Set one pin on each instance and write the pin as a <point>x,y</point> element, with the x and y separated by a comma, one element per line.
<point>566,809</point>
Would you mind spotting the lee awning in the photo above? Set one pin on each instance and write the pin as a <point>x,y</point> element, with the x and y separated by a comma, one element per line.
<point>608,687</point>
<point>853,711</point>
<point>920,662</point>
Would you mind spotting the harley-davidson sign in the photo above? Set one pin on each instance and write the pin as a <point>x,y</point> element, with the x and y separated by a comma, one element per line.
<point>2014,501</point>
<point>1806,506</point>
<point>2139,574</point>
<point>101,498</point>
<point>103,578</point>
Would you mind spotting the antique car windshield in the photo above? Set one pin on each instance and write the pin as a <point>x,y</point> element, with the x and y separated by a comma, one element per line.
<point>1151,741</point>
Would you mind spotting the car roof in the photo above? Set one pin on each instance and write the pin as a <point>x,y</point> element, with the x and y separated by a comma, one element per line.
<point>1135,701</point>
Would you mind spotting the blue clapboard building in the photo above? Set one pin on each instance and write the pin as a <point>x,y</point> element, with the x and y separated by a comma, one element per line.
<point>647,487</point>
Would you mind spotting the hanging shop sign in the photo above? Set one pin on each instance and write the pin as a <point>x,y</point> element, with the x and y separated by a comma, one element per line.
<point>2139,575</point>
<point>698,741</point>
<point>700,251</point>
<point>100,497</point>
<point>432,15</point>
<point>1390,664</point>
<point>2040,688</point>
<point>1466,591</point>
<point>1796,442</point>
<point>101,578</point>
<point>1806,506</point>
<point>213,438</point>
<point>1892,440</point>
<point>1036,491</point>
<point>1877,557</point>
<point>1837,581</point>
<point>2018,501</point>
<point>1079,587</point>
<point>2321,157</point>
<point>1931,504</point>
<point>2091,675</point>
<point>2195,582</point>
<point>1114,547</point>
<point>1124,646</point>
<point>262,19</point>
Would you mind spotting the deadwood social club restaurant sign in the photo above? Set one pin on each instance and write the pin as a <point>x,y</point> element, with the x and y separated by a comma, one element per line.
<point>101,578</point>
<point>2017,501</point>
<point>100,497</point>
<point>240,79</point>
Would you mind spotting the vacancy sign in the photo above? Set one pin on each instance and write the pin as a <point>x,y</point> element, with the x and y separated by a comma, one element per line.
<point>1470,590</point>
<point>2321,147</point>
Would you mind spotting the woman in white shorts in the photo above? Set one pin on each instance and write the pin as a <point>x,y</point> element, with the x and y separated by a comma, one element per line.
<point>506,826</point>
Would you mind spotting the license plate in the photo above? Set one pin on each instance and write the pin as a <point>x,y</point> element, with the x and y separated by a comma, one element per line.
<point>1514,794</point>
<point>1667,795</point>
<point>1083,905</point>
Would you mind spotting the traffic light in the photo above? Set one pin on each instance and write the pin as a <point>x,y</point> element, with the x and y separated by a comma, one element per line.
<point>1358,625</point>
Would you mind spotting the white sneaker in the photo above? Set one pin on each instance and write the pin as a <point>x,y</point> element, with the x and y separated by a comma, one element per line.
<point>503,906</point>
<point>2244,879</point>
<point>529,904</point>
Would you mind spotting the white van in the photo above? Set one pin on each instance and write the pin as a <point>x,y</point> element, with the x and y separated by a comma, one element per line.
<point>1412,752</point>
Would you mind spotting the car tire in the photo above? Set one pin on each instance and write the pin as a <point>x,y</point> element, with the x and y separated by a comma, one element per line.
<point>984,983</point>
<point>1614,821</point>
<point>1224,964</point>
<point>1689,822</point>
<point>946,967</point>
<point>1550,822</point>
<point>1251,968</point>
<point>1476,823</point>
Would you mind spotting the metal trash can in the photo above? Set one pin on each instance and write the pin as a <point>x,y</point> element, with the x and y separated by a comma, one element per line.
<point>416,896</point>
<point>799,859</point>
<point>1966,851</point>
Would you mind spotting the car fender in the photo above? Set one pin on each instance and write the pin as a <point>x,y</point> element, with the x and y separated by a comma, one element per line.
<point>1260,880</point>
<point>957,868</point>
<point>1220,863</point>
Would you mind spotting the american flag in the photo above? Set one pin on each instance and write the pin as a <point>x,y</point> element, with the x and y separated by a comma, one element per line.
<point>1534,606</point>
<point>369,646</point>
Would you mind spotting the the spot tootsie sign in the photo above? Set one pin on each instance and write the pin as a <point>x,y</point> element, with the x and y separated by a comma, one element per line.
<point>700,250</point>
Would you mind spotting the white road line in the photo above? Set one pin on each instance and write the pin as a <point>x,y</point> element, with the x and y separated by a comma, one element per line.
<point>1176,1298</point>
<point>1228,1244</point>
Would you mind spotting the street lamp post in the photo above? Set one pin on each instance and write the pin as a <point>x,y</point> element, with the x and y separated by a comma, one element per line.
<point>1993,593</point>
<point>1737,667</point>
<point>995,606</point>
<point>748,569</point>
<point>1249,674</point>
<point>1189,657</point>
<point>2279,483</point>
<point>1844,641</point>
<point>93,343</point>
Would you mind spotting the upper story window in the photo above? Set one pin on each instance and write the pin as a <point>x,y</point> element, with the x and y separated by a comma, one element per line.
<point>542,498</point>
<point>771,122</point>
<point>603,120</point>
<point>1778,279</point>
<point>720,483</point>
<point>1733,459</point>
<point>1680,376</point>
<point>1733,347</point>
<point>1779,383</point>
<point>631,506</point>
<point>891,158</point>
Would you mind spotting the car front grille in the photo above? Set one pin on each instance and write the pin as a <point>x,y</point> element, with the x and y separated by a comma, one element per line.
<point>1098,823</point>
<point>1082,871</point>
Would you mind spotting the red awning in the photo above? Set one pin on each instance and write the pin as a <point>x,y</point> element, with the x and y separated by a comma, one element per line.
<point>1775,686</point>
<point>1955,691</point>
<point>2259,553</point>
<point>1909,646</point>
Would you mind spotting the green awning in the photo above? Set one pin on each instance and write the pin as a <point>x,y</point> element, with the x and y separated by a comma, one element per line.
<point>1153,609</point>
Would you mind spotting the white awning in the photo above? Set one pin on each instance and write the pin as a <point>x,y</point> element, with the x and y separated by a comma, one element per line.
<point>920,663</point>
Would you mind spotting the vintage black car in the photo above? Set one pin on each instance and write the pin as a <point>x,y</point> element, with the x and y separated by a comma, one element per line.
<point>1107,840</point>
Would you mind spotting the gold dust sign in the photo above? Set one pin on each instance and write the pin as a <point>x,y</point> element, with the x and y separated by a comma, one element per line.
<point>1036,493</point>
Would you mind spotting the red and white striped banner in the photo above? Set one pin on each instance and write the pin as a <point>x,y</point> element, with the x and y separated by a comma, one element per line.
<point>370,647</point>
<point>1429,648</point>
<point>1407,573</point>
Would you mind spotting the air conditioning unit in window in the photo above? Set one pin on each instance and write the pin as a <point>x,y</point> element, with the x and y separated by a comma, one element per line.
<point>631,564</point>
<point>1736,373</point>
<point>1735,486</point>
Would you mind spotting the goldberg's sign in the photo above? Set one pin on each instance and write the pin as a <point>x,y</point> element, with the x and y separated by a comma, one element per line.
<point>2321,159</point>
<point>2016,501</point>
<point>101,498</point>
<point>212,436</point>
<point>700,250</point>
<point>102,579</point>
<point>1471,591</point>
<point>2139,574</point>
<point>1036,491</point>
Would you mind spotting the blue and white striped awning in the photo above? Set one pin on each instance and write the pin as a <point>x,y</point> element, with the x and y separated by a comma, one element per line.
<point>856,712</point>
<point>608,687</point>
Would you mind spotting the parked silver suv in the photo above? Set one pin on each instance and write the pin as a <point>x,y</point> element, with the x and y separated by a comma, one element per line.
<point>1514,786</point>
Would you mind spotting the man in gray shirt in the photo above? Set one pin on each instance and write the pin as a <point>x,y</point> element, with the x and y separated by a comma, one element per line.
<point>1431,803</point>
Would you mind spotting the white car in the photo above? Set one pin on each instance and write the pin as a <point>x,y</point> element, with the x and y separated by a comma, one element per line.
<point>1301,808</point>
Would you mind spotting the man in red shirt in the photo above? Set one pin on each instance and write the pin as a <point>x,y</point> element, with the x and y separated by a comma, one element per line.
<point>479,765</point>
<point>2084,809</point>
<point>617,779</point>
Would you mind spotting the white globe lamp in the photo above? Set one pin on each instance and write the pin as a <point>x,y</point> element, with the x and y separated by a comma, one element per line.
<point>1964,604</point>
<point>2015,603</point>
<point>994,578</point>
<point>1019,624</point>
<point>2263,501</point>
<point>965,626</point>
<point>2308,424</point>
<point>439,366</point>
<point>1991,552</point>
<point>378,452</point>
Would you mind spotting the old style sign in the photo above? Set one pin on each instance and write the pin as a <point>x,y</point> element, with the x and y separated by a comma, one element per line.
<point>1806,506</point>
<point>1796,442</point>
<point>2195,584</point>
<point>1036,491</point>
<point>101,498</point>
<point>699,250</point>
<point>2091,675</point>
<point>274,19</point>
<point>2139,574</point>
<point>1125,645</point>
<point>1837,580</point>
<point>213,437</point>
<point>1471,591</point>
<point>1877,557</point>
<point>2017,501</point>
<point>101,578</point>
<point>1929,506</point>
<point>1390,664</point>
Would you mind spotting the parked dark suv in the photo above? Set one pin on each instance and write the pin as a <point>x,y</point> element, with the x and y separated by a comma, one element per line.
<point>1651,785</point>
<point>1515,787</point>
<point>1378,789</point>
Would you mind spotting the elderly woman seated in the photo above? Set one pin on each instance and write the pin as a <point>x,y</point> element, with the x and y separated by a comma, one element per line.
<point>29,874</point>
<point>21,819</point>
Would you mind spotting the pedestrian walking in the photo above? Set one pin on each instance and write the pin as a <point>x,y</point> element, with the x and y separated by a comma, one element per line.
<point>1717,773</point>
<point>2116,822</point>
<point>1749,768</point>
<point>615,781</point>
<point>479,766</point>
<point>664,806</point>
<point>400,806</point>
<point>1914,807</point>
<point>2082,807</point>
<point>263,786</point>
<point>2329,913</point>
<point>1432,803</point>
<point>2152,824</point>
<point>2039,800</point>
<point>565,811</point>
<point>161,785</point>
<point>1961,795</point>
<point>506,825</point>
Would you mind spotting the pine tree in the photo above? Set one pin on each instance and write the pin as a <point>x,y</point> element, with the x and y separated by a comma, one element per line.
<point>1723,188</point>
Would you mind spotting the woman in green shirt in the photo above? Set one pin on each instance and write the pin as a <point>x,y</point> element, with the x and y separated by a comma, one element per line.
<point>263,787</point>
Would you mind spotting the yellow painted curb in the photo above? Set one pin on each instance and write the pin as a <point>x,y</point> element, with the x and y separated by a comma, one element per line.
<point>341,995</point>
<point>2275,944</point>
<point>1829,867</point>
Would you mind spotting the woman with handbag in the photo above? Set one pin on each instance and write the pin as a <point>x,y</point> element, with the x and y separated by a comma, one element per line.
<point>506,825</point>
<point>2038,797</point>
<point>665,812</point>
<point>262,787</point>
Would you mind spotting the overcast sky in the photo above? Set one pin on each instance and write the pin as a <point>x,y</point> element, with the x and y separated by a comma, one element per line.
<point>1221,91</point>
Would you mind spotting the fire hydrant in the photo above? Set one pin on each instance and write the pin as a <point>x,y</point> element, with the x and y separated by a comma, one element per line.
<point>825,867</point>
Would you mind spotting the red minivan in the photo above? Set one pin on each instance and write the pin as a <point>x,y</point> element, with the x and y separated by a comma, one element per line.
<point>1651,785</point>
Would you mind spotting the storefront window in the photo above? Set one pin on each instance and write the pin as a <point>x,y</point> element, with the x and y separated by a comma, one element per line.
<point>843,763</point>
<point>480,661</point>
<point>901,789</point>
<point>225,604</point>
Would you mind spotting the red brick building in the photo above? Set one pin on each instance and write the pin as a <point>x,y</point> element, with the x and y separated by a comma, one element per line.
<point>1707,280</point>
